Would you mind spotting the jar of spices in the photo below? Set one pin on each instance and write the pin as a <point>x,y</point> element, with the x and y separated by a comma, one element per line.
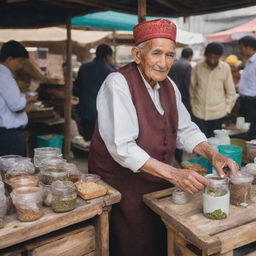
<point>3,208</point>
<point>63,196</point>
<point>5,162</point>
<point>251,169</point>
<point>23,181</point>
<point>52,169</point>
<point>240,189</point>
<point>73,174</point>
<point>22,166</point>
<point>216,197</point>
<point>46,152</point>
<point>28,203</point>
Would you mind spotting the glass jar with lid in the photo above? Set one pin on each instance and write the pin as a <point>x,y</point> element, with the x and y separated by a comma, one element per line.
<point>72,172</point>
<point>240,189</point>
<point>28,203</point>
<point>5,162</point>
<point>22,166</point>
<point>216,197</point>
<point>63,196</point>
<point>52,169</point>
<point>46,152</point>
<point>251,169</point>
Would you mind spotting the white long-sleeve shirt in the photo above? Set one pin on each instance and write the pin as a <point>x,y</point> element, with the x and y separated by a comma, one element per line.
<point>118,123</point>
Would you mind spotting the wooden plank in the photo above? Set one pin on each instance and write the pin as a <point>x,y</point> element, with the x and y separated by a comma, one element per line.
<point>237,237</point>
<point>76,244</point>
<point>250,254</point>
<point>68,90</point>
<point>16,232</point>
<point>142,10</point>
<point>102,233</point>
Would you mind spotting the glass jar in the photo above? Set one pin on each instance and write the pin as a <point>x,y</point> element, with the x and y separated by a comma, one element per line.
<point>23,181</point>
<point>63,196</point>
<point>28,203</point>
<point>5,162</point>
<point>240,189</point>
<point>52,169</point>
<point>47,194</point>
<point>251,169</point>
<point>180,197</point>
<point>3,208</point>
<point>73,173</point>
<point>90,177</point>
<point>216,197</point>
<point>46,152</point>
<point>22,166</point>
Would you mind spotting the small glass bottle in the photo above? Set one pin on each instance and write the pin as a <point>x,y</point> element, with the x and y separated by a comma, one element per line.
<point>240,189</point>
<point>63,196</point>
<point>216,197</point>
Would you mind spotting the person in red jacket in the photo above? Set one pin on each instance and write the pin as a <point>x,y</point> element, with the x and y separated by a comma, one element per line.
<point>141,120</point>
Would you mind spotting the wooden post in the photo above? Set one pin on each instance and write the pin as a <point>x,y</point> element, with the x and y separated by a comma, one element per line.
<point>68,90</point>
<point>114,45</point>
<point>142,10</point>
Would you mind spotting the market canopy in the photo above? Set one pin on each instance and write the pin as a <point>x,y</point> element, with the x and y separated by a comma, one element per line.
<point>35,13</point>
<point>82,37</point>
<point>125,22</point>
<point>235,33</point>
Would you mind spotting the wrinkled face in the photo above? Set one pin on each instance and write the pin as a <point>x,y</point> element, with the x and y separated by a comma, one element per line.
<point>14,63</point>
<point>212,60</point>
<point>155,59</point>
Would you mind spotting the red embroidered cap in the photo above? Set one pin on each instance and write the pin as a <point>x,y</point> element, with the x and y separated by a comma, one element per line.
<point>159,28</point>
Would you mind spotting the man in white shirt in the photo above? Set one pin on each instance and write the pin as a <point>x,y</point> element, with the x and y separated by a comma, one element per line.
<point>247,84</point>
<point>141,120</point>
<point>13,117</point>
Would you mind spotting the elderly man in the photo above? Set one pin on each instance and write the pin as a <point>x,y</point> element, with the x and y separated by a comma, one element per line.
<point>141,120</point>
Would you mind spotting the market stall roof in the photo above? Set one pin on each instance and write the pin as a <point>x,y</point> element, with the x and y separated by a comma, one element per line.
<point>34,13</point>
<point>235,33</point>
<point>82,37</point>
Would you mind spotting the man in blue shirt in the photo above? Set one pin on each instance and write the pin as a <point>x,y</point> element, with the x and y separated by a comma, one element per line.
<point>13,117</point>
<point>247,86</point>
<point>89,80</point>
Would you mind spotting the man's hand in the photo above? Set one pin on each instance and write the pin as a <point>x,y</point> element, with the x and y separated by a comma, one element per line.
<point>188,180</point>
<point>223,165</point>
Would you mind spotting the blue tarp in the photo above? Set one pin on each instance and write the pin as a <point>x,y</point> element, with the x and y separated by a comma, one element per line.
<point>108,20</point>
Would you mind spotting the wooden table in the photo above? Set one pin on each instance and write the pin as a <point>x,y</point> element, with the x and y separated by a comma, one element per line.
<point>187,226</point>
<point>95,210</point>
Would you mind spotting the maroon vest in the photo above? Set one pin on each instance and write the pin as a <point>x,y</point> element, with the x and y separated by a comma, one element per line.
<point>134,228</point>
<point>157,133</point>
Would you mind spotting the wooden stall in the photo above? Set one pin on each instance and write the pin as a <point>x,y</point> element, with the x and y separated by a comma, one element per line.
<point>192,234</point>
<point>83,231</point>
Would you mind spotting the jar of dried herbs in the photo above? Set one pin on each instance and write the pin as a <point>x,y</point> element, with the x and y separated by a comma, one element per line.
<point>216,198</point>
<point>28,203</point>
<point>63,196</point>
<point>240,189</point>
